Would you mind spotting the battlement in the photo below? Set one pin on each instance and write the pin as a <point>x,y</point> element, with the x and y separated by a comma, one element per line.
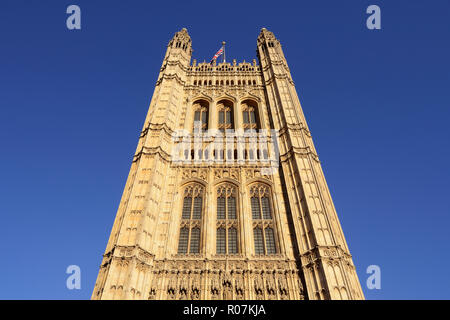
<point>225,66</point>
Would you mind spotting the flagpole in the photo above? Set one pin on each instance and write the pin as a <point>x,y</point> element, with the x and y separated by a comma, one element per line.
<point>223,44</point>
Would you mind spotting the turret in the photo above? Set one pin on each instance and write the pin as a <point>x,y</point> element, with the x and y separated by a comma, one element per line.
<point>179,48</point>
<point>270,54</point>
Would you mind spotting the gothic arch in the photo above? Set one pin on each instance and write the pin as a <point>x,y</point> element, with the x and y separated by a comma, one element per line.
<point>224,180</point>
<point>250,96</point>
<point>192,180</point>
<point>226,206</point>
<point>266,240</point>
<point>260,180</point>
<point>192,213</point>
<point>226,96</point>
<point>201,110</point>
<point>190,113</point>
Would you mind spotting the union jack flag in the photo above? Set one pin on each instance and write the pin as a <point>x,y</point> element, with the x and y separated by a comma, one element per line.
<point>218,53</point>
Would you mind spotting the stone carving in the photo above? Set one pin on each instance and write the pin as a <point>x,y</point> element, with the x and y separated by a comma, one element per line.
<point>300,287</point>
<point>226,173</point>
<point>161,193</point>
<point>257,173</point>
<point>184,285</point>
<point>195,290</point>
<point>215,288</point>
<point>239,288</point>
<point>197,173</point>
<point>283,287</point>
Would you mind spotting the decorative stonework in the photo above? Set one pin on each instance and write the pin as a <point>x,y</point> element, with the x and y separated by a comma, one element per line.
<point>225,280</point>
<point>226,173</point>
<point>177,220</point>
<point>257,173</point>
<point>195,173</point>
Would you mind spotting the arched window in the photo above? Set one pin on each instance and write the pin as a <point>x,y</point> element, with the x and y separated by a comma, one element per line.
<point>225,109</point>
<point>191,220</point>
<point>227,241</point>
<point>263,224</point>
<point>201,114</point>
<point>250,115</point>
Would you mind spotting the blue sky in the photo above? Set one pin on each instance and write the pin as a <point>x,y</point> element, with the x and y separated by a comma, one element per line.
<point>72,104</point>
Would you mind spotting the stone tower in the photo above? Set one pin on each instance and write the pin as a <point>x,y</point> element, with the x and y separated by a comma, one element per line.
<point>226,198</point>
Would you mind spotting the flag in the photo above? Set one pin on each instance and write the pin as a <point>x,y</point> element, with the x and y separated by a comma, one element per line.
<point>218,53</point>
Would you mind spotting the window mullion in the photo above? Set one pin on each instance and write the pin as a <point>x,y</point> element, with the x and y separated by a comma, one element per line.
<point>226,238</point>
<point>260,207</point>
<point>226,207</point>
<point>226,222</point>
<point>189,239</point>
<point>264,239</point>
<point>192,207</point>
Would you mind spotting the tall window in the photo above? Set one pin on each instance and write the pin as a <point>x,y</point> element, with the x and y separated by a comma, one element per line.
<point>201,115</point>
<point>227,223</point>
<point>191,220</point>
<point>225,109</point>
<point>250,115</point>
<point>263,224</point>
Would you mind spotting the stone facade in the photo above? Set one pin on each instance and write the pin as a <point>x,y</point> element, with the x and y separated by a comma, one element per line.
<point>280,237</point>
